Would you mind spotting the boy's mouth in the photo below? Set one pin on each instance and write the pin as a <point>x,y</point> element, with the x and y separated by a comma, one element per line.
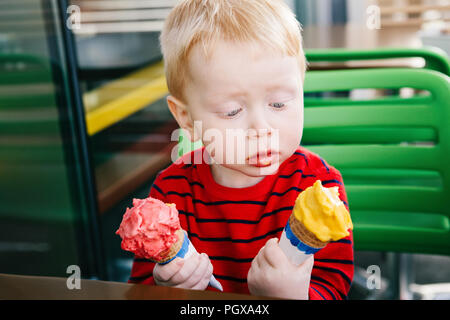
<point>262,159</point>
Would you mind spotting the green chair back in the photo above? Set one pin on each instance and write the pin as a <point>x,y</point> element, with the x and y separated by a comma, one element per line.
<point>394,156</point>
<point>435,59</point>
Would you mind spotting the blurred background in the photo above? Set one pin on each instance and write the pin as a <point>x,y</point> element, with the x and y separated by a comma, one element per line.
<point>84,125</point>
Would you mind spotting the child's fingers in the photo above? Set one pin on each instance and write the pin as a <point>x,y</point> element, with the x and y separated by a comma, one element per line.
<point>253,272</point>
<point>259,260</point>
<point>255,262</point>
<point>190,264</point>
<point>254,268</point>
<point>201,285</point>
<point>265,256</point>
<point>273,253</point>
<point>199,273</point>
<point>163,273</point>
<point>205,276</point>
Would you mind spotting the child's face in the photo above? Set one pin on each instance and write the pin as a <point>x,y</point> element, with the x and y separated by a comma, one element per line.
<point>252,93</point>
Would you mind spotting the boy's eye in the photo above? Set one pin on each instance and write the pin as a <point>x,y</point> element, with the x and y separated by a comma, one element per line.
<point>233,113</point>
<point>277,105</point>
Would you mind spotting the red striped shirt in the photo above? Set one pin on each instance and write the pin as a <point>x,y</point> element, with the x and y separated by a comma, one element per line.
<point>232,224</point>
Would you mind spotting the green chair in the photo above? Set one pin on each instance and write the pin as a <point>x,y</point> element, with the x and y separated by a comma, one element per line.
<point>435,59</point>
<point>394,157</point>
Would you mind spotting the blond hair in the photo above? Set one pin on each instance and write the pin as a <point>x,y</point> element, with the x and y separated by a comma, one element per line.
<point>268,22</point>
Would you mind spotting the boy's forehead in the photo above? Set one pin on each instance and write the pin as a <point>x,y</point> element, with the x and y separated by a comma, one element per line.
<point>253,50</point>
<point>225,57</point>
<point>231,72</point>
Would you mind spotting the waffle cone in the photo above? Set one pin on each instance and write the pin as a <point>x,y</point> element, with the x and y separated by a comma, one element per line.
<point>303,234</point>
<point>173,250</point>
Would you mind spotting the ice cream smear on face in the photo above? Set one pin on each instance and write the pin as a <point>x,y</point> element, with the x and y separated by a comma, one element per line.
<point>148,229</point>
<point>323,213</point>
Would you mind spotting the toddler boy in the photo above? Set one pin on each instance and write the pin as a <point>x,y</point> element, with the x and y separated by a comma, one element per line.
<point>235,70</point>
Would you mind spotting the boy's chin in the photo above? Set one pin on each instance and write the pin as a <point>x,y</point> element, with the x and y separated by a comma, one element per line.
<point>269,170</point>
<point>253,170</point>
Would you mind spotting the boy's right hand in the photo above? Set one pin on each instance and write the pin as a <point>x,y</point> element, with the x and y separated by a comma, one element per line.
<point>191,273</point>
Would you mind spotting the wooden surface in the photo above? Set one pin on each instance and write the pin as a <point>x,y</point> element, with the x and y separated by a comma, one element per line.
<point>19,287</point>
<point>352,36</point>
<point>356,36</point>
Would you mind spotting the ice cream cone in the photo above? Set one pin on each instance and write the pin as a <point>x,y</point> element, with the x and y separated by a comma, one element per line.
<point>303,234</point>
<point>318,217</point>
<point>297,242</point>
<point>150,226</point>
<point>183,248</point>
<point>170,253</point>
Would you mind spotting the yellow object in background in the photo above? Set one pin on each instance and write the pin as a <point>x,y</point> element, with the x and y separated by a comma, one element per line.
<point>121,98</point>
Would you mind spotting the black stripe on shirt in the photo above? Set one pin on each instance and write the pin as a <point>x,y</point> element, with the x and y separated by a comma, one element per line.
<point>186,178</point>
<point>158,189</point>
<point>283,193</point>
<point>298,170</point>
<point>174,177</point>
<point>318,292</point>
<point>331,181</point>
<point>341,261</point>
<point>325,287</point>
<point>272,194</point>
<point>218,276</point>
<point>224,258</point>
<point>185,194</point>
<point>236,240</point>
<point>346,241</point>
<point>334,270</point>
<point>196,183</point>
<point>320,279</point>
<point>218,203</point>
<point>209,220</point>
<point>325,165</point>
<point>288,208</point>
<point>303,155</point>
<point>221,258</point>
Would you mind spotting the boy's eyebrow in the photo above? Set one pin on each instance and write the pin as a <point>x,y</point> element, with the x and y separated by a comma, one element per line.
<point>281,86</point>
<point>237,94</point>
<point>229,95</point>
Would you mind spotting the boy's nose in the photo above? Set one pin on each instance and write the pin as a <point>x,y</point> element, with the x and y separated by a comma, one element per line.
<point>259,127</point>
<point>259,133</point>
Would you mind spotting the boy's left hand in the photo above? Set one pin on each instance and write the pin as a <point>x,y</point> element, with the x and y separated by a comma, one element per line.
<point>273,275</point>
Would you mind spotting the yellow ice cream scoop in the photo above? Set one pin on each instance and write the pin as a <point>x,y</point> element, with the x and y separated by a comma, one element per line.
<point>321,211</point>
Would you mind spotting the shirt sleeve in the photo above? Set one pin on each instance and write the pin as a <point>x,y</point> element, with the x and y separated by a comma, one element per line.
<point>333,268</point>
<point>142,269</point>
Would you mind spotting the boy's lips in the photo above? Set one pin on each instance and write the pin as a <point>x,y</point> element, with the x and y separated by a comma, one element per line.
<point>262,159</point>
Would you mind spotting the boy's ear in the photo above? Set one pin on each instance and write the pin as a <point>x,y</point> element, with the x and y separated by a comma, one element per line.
<point>181,114</point>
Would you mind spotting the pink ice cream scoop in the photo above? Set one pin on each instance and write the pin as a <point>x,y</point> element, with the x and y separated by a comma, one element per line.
<point>149,228</point>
